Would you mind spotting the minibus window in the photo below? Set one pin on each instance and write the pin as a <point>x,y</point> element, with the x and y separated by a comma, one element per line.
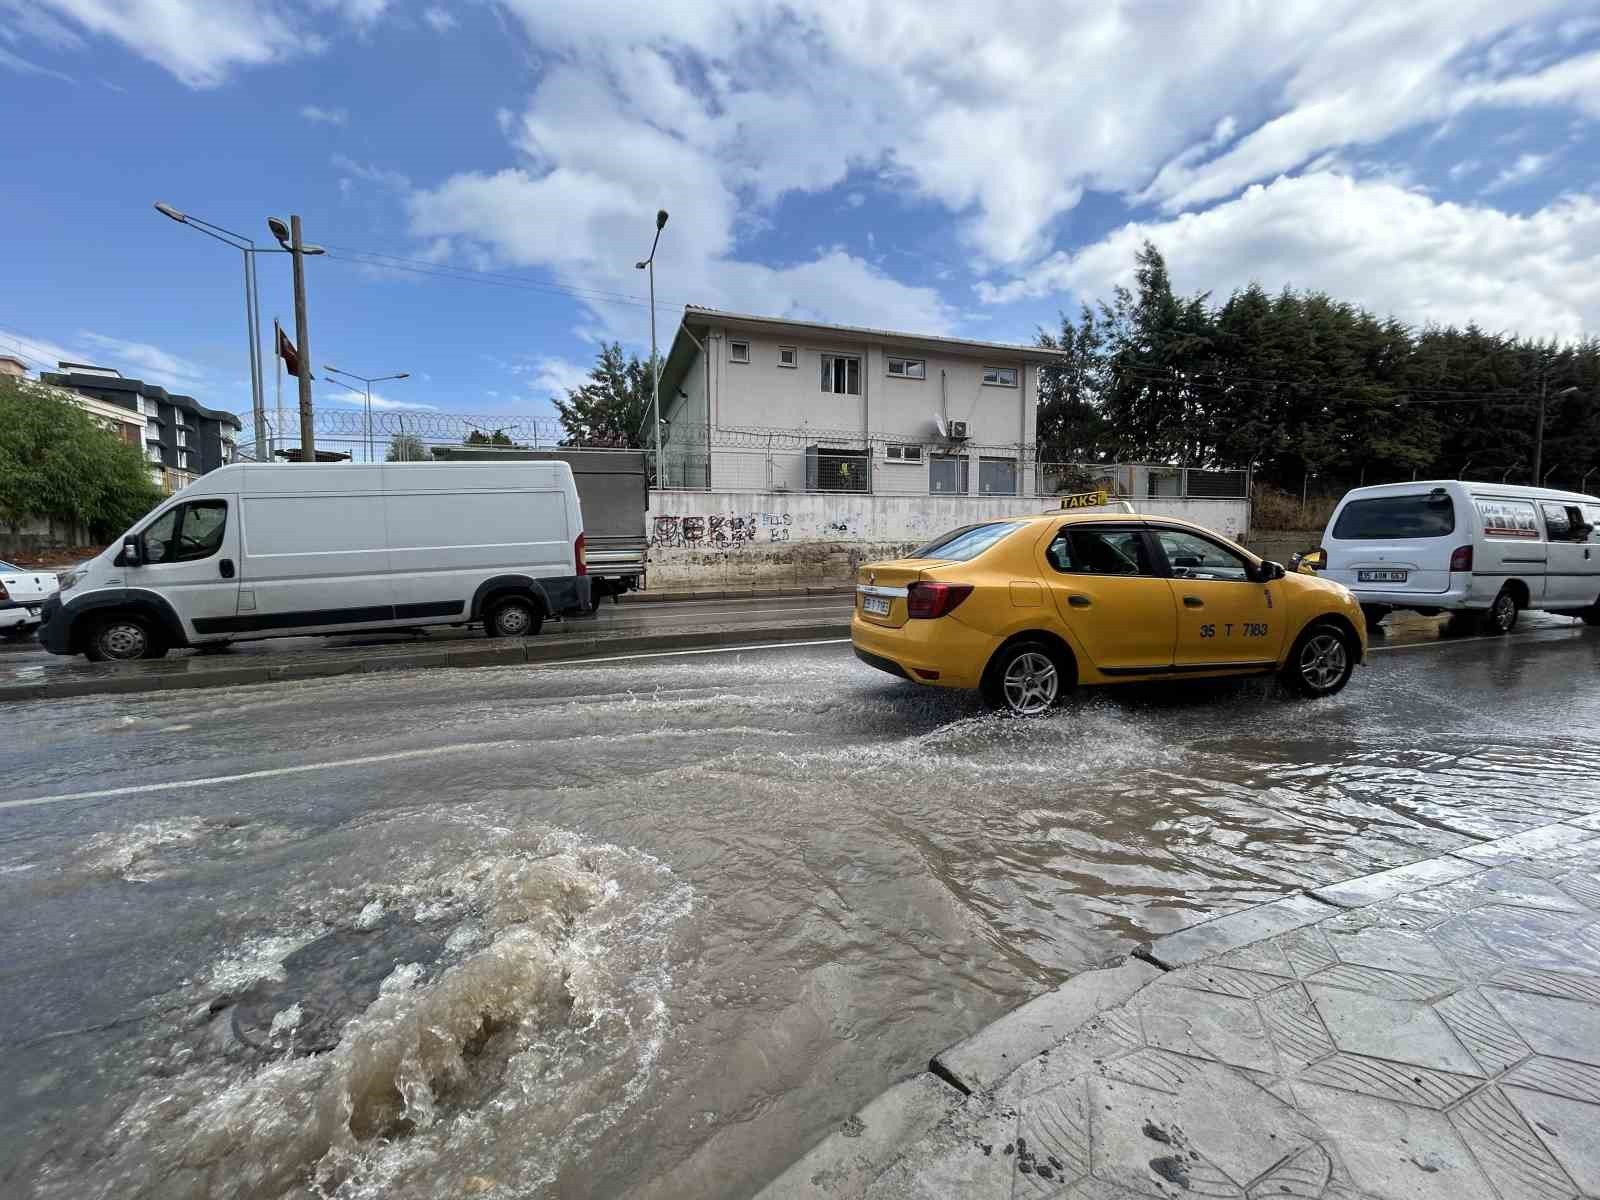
<point>1424,515</point>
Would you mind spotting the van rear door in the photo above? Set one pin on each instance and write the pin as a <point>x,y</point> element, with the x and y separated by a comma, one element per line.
<point>1398,543</point>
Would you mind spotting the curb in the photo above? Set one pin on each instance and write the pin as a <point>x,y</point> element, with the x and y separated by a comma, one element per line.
<point>573,648</point>
<point>848,1159</point>
<point>784,593</point>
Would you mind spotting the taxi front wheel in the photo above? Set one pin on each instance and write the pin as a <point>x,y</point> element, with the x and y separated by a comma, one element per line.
<point>1321,661</point>
<point>1027,678</point>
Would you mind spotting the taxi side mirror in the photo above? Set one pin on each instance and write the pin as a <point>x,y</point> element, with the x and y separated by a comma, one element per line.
<point>1269,570</point>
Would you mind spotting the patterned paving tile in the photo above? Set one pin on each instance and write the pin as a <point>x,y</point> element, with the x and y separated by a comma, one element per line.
<point>1392,985</point>
<point>1559,1028</point>
<point>1482,1030</point>
<point>1583,886</point>
<point>1226,981</point>
<point>1052,1140</point>
<point>1307,950</point>
<point>1304,1175</point>
<point>1520,889</point>
<point>1391,950</point>
<point>1576,1081</point>
<point>1158,1070</point>
<point>1567,984</point>
<point>1390,1080</point>
<point>1568,1129</point>
<point>1295,1029</point>
<point>1401,1031</point>
<point>1467,952</point>
<point>1226,1029</point>
<point>1516,1161</point>
<point>1266,957</point>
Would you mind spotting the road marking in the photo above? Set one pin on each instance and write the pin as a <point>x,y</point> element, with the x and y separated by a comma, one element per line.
<point>584,662</point>
<point>1531,635</point>
<point>176,784</point>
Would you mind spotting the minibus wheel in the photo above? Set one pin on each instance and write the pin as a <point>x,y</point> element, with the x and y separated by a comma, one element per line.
<point>1502,614</point>
<point>514,616</point>
<point>123,637</point>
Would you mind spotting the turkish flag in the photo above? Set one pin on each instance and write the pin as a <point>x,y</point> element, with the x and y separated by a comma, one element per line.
<point>290,356</point>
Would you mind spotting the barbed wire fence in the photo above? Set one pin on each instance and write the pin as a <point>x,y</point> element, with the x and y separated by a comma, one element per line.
<point>755,459</point>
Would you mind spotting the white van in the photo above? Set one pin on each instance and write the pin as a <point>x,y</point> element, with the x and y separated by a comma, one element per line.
<point>1491,549</point>
<point>257,550</point>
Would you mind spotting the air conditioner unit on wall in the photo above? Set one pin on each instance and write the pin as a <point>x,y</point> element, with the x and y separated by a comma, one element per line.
<point>958,431</point>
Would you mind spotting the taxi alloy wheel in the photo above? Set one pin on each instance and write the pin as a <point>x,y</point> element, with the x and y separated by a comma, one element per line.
<point>1321,662</point>
<point>1030,683</point>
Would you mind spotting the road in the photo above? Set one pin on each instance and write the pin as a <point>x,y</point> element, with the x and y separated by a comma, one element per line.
<point>672,917</point>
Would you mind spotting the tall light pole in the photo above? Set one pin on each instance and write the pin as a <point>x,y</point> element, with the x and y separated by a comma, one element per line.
<point>1538,428</point>
<point>333,370</point>
<point>655,367</point>
<point>289,238</point>
<point>252,305</point>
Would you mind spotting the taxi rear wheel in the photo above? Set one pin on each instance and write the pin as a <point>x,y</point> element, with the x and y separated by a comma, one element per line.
<point>1321,662</point>
<point>1027,678</point>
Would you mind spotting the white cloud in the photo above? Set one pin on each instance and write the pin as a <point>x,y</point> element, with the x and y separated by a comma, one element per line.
<point>855,199</point>
<point>324,116</point>
<point>23,66</point>
<point>441,20</point>
<point>317,116</point>
<point>201,42</point>
<point>1526,167</point>
<point>554,377</point>
<point>382,177</point>
<point>1390,249</point>
<point>147,362</point>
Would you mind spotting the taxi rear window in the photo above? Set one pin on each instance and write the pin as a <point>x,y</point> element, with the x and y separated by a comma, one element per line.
<point>1423,515</point>
<point>965,543</point>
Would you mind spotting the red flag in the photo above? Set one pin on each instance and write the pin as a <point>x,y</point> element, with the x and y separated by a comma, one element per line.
<point>290,356</point>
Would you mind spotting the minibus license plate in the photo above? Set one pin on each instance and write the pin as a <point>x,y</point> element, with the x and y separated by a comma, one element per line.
<point>876,605</point>
<point>1380,576</point>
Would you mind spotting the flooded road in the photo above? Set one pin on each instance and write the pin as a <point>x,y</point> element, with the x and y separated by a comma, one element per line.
<point>662,922</point>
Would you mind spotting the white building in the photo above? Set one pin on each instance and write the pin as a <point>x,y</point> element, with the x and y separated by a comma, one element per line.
<point>774,405</point>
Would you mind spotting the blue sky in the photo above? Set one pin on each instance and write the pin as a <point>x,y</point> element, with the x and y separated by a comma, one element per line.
<point>889,163</point>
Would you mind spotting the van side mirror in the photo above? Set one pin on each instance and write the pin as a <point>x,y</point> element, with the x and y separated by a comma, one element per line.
<point>132,553</point>
<point>1311,560</point>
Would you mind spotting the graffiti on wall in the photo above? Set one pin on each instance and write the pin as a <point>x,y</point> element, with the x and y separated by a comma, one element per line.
<point>720,531</point>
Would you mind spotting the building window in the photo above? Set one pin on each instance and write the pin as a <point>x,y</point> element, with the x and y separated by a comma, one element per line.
<point>841,375</point>
<point>788,356</point>
<point>997,476</point>
<point>153,453</point>
<point>183,437</point>
<point>908,368</point>
<point>739,352</point>
<point>1000,376</point>
<point>903,453</point>
<point>947,474</point>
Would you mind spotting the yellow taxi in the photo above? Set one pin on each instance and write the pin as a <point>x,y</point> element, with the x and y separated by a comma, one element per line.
<point>1026,608</point>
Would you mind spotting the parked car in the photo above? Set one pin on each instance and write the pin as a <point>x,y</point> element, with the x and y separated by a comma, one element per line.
<point>1487,550</point>
<point>256,550</point>
<point>1023,609</point>
<point>22,595</point>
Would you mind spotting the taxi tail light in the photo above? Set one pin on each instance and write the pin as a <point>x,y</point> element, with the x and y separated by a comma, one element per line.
<point>1461,559</point>
<point>929,600</point>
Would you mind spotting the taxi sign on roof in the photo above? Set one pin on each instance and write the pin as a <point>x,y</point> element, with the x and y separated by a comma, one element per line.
<point>1085,499</point>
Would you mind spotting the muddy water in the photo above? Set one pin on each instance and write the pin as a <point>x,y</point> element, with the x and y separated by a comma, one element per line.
<point>669,922</point>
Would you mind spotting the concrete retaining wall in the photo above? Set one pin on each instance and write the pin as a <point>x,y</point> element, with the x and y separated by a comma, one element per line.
<point>705,540</point>
<point>38,535</point>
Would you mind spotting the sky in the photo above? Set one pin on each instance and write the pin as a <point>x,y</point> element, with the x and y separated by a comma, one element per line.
<point>485,173</point>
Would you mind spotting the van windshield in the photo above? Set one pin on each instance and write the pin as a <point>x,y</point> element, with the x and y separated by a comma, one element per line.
<point>1424,515</point>
<point>965,543</point>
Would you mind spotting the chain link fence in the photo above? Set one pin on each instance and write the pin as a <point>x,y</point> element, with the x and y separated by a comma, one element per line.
<point>805,461</point>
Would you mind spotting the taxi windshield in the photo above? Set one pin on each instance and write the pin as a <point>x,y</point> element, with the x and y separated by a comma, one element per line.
<point>965,543</point>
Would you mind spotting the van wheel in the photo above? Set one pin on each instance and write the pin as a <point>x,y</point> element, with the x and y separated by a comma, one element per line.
<point>1502,614</point>
<point>1591,615</point>
<point>1321,661</point>
<point>1026,679</point>
<point>514,616</point>
<point>123,638</point>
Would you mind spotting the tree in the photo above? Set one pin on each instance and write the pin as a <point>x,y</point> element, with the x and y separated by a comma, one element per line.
<point>57,463</point>
<point>607,411</point>
<point>406,447</point>
<point>479,438</point>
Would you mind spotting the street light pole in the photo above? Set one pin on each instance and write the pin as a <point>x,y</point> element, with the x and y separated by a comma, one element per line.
<point>367,382</point>
<point>252,305</point>
<point>1538,428</point>
<point>655,367</point>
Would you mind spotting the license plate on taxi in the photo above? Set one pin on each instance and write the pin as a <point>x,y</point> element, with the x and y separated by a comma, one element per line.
<point>1380,576</point>
<point>878,606</point>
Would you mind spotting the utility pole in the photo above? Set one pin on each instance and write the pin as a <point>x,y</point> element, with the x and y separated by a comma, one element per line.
<point>1538,428</point>
<point>655,366</point>
<point>308,436</point>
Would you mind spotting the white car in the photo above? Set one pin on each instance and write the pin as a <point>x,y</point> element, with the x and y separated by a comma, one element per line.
<point>21,595</point>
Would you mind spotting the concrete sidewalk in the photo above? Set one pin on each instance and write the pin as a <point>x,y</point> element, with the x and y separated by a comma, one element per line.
<point>267,662</point>
<point>1427,1033</point>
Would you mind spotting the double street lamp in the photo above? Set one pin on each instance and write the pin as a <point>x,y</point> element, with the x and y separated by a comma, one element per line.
<point>367,382</point>
<point>252,302</point>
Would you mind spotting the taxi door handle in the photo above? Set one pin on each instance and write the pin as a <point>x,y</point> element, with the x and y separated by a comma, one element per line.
<point>1079,601</point>
<point>1193,602</point>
